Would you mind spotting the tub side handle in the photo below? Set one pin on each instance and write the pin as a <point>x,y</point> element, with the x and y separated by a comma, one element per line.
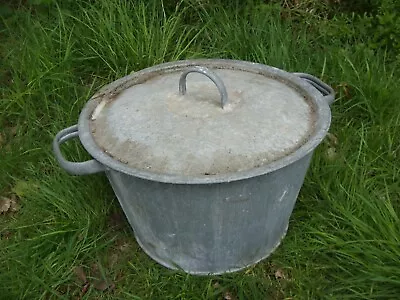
<point>74,168</point>
<point>326,90</point>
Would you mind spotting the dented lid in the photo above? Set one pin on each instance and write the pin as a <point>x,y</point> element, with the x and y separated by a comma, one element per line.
<point>202,121</point>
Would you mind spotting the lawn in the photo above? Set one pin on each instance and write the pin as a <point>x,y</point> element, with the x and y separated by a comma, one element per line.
<point>65,237</point>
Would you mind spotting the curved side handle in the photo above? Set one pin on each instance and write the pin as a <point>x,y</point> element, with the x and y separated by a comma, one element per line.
<point>74,168</point>
<point>327,91</point>
<point>210,74</point>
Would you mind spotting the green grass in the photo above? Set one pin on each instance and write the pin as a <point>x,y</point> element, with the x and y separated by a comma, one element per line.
<point>344,235</point>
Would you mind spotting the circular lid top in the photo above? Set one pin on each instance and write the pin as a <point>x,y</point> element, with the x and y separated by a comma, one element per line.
<point>218,121</point>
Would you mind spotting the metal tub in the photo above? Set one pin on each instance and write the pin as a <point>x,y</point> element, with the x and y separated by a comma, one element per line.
<point>208,222</point>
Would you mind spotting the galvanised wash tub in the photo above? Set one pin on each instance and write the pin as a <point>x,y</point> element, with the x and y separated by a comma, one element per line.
<point>206,157</point>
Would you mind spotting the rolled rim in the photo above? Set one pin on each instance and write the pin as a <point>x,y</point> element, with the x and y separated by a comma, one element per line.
<point>321,123</point>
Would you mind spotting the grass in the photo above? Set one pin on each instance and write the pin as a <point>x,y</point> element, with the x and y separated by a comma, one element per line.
<point>343,240</point>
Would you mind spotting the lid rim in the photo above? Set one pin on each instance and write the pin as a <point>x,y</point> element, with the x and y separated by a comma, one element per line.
<point>322,123</point>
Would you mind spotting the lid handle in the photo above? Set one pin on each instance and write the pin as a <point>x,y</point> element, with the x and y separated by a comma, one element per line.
<point>210,74</point>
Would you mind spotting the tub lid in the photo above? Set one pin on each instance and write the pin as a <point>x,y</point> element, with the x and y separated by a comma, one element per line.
<point>202,121</point>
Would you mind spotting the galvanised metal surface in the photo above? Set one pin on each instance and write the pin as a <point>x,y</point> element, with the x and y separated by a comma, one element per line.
<point>211,223</point>
<point>210,228</point>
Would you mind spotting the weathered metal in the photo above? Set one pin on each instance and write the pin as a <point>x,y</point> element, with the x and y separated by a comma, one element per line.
<point>207,188</point>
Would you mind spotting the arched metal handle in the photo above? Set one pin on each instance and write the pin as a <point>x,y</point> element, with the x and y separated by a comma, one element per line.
<point>327,91</point>
<point>74,168</point>
<point>210,74</point>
